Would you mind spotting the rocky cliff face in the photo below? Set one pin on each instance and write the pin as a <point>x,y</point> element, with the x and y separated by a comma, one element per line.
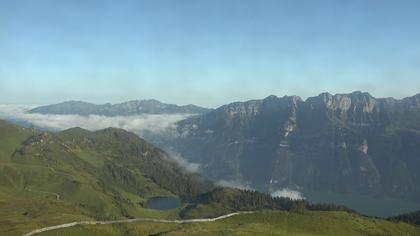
<point>351,143</point>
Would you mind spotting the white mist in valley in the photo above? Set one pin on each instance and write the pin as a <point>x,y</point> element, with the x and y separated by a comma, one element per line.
<point>285,192</point>
<point>142,125</point>
<point>188,166</point>
<point>138,124</point>
<point>288,193</point>
<point>235,184</point>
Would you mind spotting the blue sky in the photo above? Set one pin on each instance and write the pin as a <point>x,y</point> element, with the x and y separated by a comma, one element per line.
<point>205,52</point>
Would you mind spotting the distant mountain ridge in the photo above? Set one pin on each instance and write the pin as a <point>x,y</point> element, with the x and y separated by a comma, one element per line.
<point>134,107</point>
<point>348,143</point>
<point>55,178</point>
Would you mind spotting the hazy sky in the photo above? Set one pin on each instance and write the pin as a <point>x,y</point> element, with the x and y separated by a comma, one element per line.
<point>205,52</point>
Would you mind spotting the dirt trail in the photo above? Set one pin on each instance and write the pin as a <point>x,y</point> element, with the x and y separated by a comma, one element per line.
<point>57,196</point>
<point>37,231</point>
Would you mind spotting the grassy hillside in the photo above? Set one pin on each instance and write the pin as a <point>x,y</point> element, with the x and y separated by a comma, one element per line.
<point>264,223</point>
<point>411,218</point>
<point>50,178</point>
<point>10,137</point>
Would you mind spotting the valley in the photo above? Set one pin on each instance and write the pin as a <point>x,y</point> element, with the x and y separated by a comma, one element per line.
<point>345,144</point>
<point>103,181</point>
<point>209,117</point>
<point>109,177</point>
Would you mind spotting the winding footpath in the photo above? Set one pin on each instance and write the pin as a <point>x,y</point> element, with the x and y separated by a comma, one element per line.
<point>37,231</point>
<point>57,196</point>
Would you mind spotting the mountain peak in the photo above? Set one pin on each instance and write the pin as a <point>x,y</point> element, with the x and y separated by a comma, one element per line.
<point>325,94</point>
<point>361,94</point>
<point>76,130</point>
<point>413,101</point>
<point>292,98</point>
<point>270,97</point>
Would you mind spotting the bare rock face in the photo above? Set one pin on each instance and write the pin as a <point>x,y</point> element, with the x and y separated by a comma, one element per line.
<point>350,143</point>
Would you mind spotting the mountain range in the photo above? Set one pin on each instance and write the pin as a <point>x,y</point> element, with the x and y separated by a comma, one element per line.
<point>346,143</point>
<point>76,175</point>
<point>134,107</point>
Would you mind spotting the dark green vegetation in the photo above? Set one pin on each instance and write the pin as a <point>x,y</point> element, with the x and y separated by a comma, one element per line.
<point>412,218</point>
<point>126,108</point>
<point>222,201</point>
<point>49,179</point>
<point>304,223</point>
<point>345,143</point>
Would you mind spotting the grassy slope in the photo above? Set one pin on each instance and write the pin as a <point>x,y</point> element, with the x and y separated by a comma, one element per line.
<point>412,218</point>
<point>98,176</point>
<point>98,179</point>
<point>264,223</point>
<point>10,137</point>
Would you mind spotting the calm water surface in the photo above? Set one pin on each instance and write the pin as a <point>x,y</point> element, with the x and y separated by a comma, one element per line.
<point>383,207</point>
<point>163,203</point>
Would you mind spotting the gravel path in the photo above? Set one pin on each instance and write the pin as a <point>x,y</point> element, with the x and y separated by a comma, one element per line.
<point>133,220</point>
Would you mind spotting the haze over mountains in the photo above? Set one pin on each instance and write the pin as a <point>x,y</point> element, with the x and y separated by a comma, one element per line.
<point>55,178</point>
<point>87,150</point>
<point>347,143</point>
<point>77,175</point>
<point>344,143</point>
<point>134,107</point>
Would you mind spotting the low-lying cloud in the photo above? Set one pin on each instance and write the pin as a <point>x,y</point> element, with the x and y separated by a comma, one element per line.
<point>188,166</point>
<point>285,192</point>
<point>235,184</point>
<point>288,193</point>
<point>139,124</point>
<point>142,125</point>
